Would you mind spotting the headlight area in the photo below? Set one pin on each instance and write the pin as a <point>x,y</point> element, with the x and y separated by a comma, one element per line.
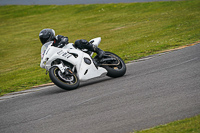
<point>45,61</point>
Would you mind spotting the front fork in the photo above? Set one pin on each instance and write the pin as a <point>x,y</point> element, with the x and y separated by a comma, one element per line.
<point>64,69</point>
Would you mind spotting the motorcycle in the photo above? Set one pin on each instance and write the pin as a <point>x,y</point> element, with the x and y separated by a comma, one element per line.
<point>67,66</point>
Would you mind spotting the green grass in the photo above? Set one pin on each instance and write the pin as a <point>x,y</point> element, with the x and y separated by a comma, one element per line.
<point>131,30</point>
<point>189,125</point>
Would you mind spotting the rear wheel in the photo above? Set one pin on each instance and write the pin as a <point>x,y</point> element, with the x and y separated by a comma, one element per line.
<point>66,81</point>
<point>116,67</point>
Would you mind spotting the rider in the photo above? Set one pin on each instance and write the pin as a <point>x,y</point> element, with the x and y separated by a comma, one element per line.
<point>47,35</point>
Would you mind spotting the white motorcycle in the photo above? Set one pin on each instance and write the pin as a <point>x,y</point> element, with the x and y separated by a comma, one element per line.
<point>69,65</point>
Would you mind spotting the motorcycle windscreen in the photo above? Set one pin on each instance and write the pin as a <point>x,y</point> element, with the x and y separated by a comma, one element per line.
<point>44,48</point>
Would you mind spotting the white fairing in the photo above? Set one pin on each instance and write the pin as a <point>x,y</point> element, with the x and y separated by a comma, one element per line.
<point>96,41</point>
<point>85,70</point>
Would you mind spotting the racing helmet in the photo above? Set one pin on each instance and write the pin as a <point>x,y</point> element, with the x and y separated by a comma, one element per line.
<point>46,35</point>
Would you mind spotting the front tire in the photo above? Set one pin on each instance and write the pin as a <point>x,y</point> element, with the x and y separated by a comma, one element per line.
<point>117,70</point>
<point>64,81</point>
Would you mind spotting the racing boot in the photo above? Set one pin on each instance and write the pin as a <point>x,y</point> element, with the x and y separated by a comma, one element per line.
<point>95,49</point>
<point>99,52</point>
<point>82,44</point>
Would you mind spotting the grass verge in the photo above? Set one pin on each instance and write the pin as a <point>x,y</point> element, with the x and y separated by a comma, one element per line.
<point>131,30</point>
<point>189,125</point>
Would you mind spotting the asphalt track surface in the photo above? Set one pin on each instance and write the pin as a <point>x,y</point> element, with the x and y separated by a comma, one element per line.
<point>155,90</point>
<point>68,2</point>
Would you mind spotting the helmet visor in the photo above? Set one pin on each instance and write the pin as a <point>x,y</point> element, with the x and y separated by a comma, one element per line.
<point>43,40</point>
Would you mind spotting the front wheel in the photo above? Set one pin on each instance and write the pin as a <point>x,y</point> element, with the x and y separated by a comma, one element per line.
<point>116,67</point>
<point>65,81</point>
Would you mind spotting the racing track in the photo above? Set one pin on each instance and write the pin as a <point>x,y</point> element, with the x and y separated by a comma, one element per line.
<point>156,90</point>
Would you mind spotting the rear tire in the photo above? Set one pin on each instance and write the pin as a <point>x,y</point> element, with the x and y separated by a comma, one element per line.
<point>66,82</point>
<point>115,70</point>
